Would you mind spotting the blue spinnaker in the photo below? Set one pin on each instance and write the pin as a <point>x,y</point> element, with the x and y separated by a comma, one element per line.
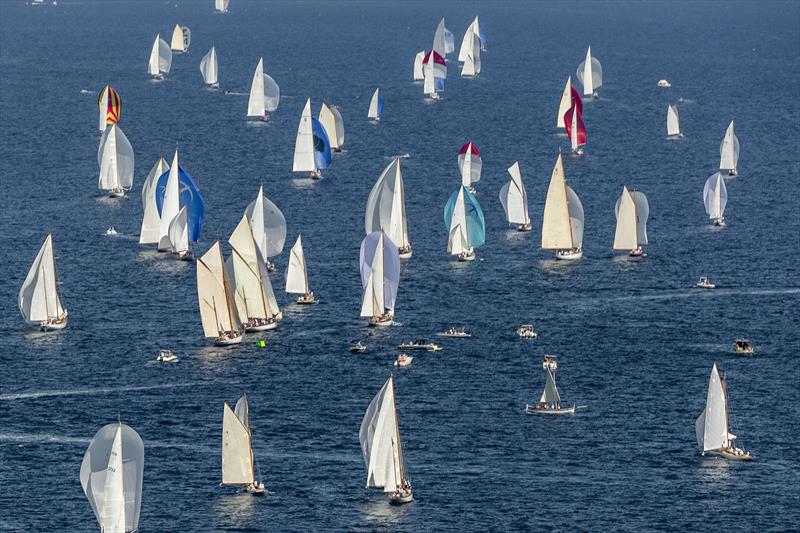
<point>322,146</point>
<point>189,196</point>
<point>476,226</point>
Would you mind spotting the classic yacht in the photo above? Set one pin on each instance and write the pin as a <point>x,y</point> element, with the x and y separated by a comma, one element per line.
<point>420,345</point>
<point>712,427</point>
<point>742,346</point>
<point>550,402</point>
<point>358,347</point>
<point>526,331</point>
<point>165,355</point>
<point>704,283</point>
<point>454,333</point>
<point>403,360</point>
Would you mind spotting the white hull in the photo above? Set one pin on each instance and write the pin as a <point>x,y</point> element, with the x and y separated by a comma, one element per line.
<point>728,454</point>
<point>400,499</point>
<point>524,227</point>
<point>116,193</point>
<point>261,327</point>
<point>405,253</point>
<point>306,299</point>
<point>55,324</point>
<point>569,255</point>
<point>381,321</point>
<point>228,341</point>
<point>466,256</point>
<point>540,410</point>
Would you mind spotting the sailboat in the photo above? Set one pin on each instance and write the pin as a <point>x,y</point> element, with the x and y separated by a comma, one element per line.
<point>218,313</point>
<point>331,120</point>
<point>265,95</point>
<point>174,190</point>
<point>573,121</point>
<point>418,74</point>
<point>712,427</point>
<point>297,274</point>
<point>115,158</point>
<point>268,225</point>
<point>715,198</point>
<point>550,402</point>
<point>439,44</point>
<point>673,122</point>
<point>383,448</point>
<point>208,68</point>
<point>39,296</point>
<point>160,59</point>
<point>472,63</point>
<point>562,225</point>
<point>515,200</point>
<point>386,208</point>
<point>590,74</point>
<point>435,72</point>
<point>110,106</point>
<point>238,464</point>
<point>221,6</point>
<point>181,38</point>
<point>469,165</point>
<point>179,234</point>
<point>380,276</point>
<point>465,224</point>
<point>569,98</point>
<point>375,106</point>
<point>473,30</point>
<point>111,476</point>
<point>249,281</point>
<point>312,148</point>
<point>151,222</point>
<point>729,152</point>
<point>631,210</point>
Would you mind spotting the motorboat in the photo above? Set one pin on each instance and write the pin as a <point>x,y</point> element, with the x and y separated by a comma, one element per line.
<point>550,402</point>
<point>358,347</point>
<point>704,283</point>
<point>111,231</point>
<point>454,333</point>
<point>420,345</point>
<point>526,331</point>
<point>742,346</point>
<point>165,355</point>
<point>664,83</point>
<point>403,360</point>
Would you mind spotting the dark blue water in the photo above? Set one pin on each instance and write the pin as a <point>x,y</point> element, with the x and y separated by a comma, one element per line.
<point>635,341</point>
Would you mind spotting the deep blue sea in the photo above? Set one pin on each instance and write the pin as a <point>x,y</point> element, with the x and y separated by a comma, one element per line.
<point>635,341</point>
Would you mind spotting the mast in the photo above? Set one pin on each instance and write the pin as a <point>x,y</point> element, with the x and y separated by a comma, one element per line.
<point>635,217</point>
<point>402,479</point>
<point>724,382</point>
<point>227,289</point>
<point>55,276</point>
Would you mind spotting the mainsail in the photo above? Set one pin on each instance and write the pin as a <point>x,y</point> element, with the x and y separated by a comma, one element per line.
<point>463,212</point>
<point>221,6</point>
<point>265,95</point>
<point>268,225</point>
<point>176,189</point>
<point>214,295</point>
<point>115,158</point>
<point>715,195</point>
<point>160,58</point>
<point>39,296</point>
<point>550,394</point>
<point>304,159</point>
<point>514,198</point>
<point>573,121</point>
<point>208,67</point>
<point>590,74</point>
<point>711,427</point>
<point>249,280</point>
<point>380,274</point>
<point>673,121</point>
<point>331,120</point>
<point>297,274</point>
<point>178,232</point>
<point>472,63</point>
<point>418,74</point>
<point>380,441</point>
<point>237,450</point>
<point>632,210</point>
<point>375,105</point>
<point>562,224</point>
<point>386,208</point>
<point>469,164</point>
<point>181,38</point>
<point>729,151</point>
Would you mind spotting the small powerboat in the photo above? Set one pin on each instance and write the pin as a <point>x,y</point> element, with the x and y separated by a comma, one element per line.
<point>454,333</point>
<point>165,355</point>
<point>704,283</point>
<point>358,347</point>
<point>403,360</point>
<point>526,331</point>
<point>664,83</point>
<point>111,231</point>
<point>420,345</point>
<point>742,346</point>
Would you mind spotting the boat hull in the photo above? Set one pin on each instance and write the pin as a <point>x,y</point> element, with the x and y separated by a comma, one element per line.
<point>261,327</point>
<point>306,299</point>
<point>524,227</point>
<point>55,325</point>
<point>729,454</point>
<point>381,321</point>
<point>569,255</point>
<point>540,410</point>
<point>228,341</point>
<point>400,499</point>
<point>405,253</point>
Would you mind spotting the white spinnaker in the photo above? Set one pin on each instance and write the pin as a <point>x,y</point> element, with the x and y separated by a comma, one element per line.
<point>438,40</point>
<point>590,74</point>
<point>712,425</point>
<point>151,222</point>
<point>297,274</point>
<point>466,42</point>
<point>472,63</point>
<point>373,111</point>
<point>514,198</point>
<point>418,74</point>
<point>379,439</point>
<point>550,394</point>
<point>729,150</point>
<point>171,203</point>
<point>208,67</point>
<point>673,121</point>
<point>715,195</point>
<point>564,104</point>
<point>328,121</point>
<point>304,143</point>
<point>237,454</point>
<point>111,477</point>
<point>556,224</point>
<point>39,295</point>
<point>386,205</point>
<point>179,232</point>
<point>268,225</point>
<point>470,165</point>
<point>214,294</point>
<point>115,158</point>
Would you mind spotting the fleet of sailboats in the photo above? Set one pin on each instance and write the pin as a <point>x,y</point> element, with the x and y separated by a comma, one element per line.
<point>238,463</point>
<point>208,68</point>
<point>111,476</point>
<point>712,426</point>
<point>382,447</point>
<point>632,210</point>
<point>715,198</point>
<point>40,296</point>
<point>115,158</point>
<point>380,276</point>
<point>673,122</point>
<point>386,208</point>
<point>590,74</point>
<point>465,224</point>
<point>515,200</point>
<point>729,152</point>
<point>218,312</point>
<point>181,39</point>
<point>331,120</point>
<point>375,106</point>
<point>297,274</point>
<point>110,106</point>
<point>160,59</point>
<point>562,223</point>
<point>265,95</point>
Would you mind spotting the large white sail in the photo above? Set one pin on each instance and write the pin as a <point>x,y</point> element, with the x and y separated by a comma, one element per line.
<point>380,441</point>
<point>711,427</point>
<point>171,204</point>
<point>268,225</point>
<point>297,274</point>
<point>470,165</point>
<point>339,125</point>
<point>418,74</point>
<point>429,83</point>
<point>208,67</point>
<point>590,74</point>
<point>221,6</point>
<point>374,112</point>
<point>575,217</point>
<point>632,211</point>
<point>237,452</point>
<point>438,40</point>
<point>214,295</point>
<point>466,42</point>
<point>111,477</point>
<point>250,282</point>
<point>115,158</point>
<point>39,298</point>
<point>550,394</point>
<point>255,106</point>
<point>729,151</point>
<point>181,37</point>
<point>715,195</point>
<point>514,198</point>
<point>304,144</point>
<point>386,208</point>
<point>458,239</point>
<point>179,232</point>
<point>673,121</point>
<point>328,121</point>
<point>564,104</point>
<point>380,274</point>
<point>472,63</point>
<point>160,58</point>
<point>556,226</point>
<point>151,222</point>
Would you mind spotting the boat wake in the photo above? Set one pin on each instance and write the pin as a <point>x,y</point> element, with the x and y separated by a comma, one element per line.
<point>91,392</point>
<point>234,93</point>
<point>692,293</point>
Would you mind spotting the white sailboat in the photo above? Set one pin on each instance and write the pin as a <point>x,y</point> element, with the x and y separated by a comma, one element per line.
<point>418,74</point>
<point>715,198</point>
<point>218,313</point>
<point>331,120</point>
<point>304,160</point>
<point>632,210</point>
<point>590,74</point>
<point>564,104</point>
<point>111,476</point>
<point>151,222</point>
<point>221,6</point>
<point>110,106</point>
<point>515,200</point>
<point>238,464</point>
<point>386,208</point>
<point>473,30</point>
<point>729,152</point>
<point>470,165</point>
<point>380,277</point>
<point>179,234</point>
<point>382,447</point>
<point>208,68</point>
<point>439,45</point>
<point>39,296</point>
<point>115,158</point>
<point>550,401</point>
<point>375,106</point>
<point>249,281</point>
<point>297,274</point>
<point>160,59</point>
<point>181,38</point>
<point>171,204</point>
<point>265,95</point>
<point>472,63</point>
<point>673,122</point>
<point>562,224</point>
<point>268,225</point>
<point>712,427</point>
